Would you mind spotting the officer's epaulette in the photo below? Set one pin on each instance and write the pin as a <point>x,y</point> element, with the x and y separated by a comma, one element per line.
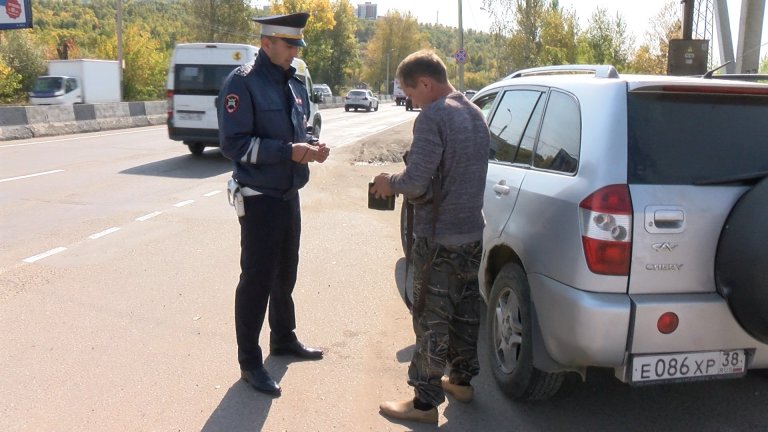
<point>244,69</point>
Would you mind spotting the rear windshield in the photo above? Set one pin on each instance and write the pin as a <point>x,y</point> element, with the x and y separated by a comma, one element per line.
<point>204,80</point>
<point>693,138</point>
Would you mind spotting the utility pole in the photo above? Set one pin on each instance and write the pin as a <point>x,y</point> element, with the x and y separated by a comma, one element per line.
<point>386,83</point>
<point>688,19</point>
<point>119,32</point>
<point>461,47</point>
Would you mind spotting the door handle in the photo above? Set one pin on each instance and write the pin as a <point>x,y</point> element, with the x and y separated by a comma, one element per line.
<point>501,188</point>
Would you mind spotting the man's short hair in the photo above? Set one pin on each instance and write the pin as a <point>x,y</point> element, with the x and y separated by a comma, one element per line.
<point>422,63</point>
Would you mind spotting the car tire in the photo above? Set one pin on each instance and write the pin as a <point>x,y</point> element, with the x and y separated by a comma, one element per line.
<point>368,108</point>
<point>196,148</point>
<point>377,107</point>
<point>741,261</point>
<point>346,108</point>
<point>404,227</point>
<point>510,339</point>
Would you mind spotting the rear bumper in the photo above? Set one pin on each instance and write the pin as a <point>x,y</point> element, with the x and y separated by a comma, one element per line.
<point>359,104</point>
<point>706,324</point>
<point>209,137</point>
<point>580,328</point>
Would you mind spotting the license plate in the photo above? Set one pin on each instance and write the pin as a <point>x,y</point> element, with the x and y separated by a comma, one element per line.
<point>686,366</point>
<point>190,116</point>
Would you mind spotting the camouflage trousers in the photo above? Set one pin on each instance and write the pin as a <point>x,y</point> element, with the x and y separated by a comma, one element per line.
<point>445,316</point>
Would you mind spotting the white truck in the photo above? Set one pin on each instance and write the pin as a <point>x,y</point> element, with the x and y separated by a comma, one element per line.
<point>398,93</point>
<point>78,81</point>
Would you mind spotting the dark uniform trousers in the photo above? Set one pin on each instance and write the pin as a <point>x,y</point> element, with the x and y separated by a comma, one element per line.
<point>446,320</point>
<point>269,244</point>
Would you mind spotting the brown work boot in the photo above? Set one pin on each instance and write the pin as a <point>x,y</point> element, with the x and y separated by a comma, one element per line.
<point>404,410</point>
<point>462,393</point>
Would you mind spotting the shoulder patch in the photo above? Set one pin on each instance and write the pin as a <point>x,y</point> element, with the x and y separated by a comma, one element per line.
<point>231,102</point>
<point>244,69</point>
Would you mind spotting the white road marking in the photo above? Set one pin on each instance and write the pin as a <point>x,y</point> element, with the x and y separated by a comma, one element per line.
<point>44,255</point>
<point>103,233</point>
<point>31,175</point>
<point>183,203</point>
<point>212,193</point>
<point>149,216</point>
<point>78,138</point>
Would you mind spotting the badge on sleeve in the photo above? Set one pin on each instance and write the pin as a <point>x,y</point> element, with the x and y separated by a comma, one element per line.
<point>233,102</point>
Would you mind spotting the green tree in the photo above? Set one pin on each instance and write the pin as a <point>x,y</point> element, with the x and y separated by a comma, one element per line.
<point>10,84</point>
<point>559,31</point>
<point>317,33</point>
<point>395,35</point>
<point>220,20</point>
<point>651,56</point>
<point>344,53</point>
<point>606,41</point>
<point>145,64</point>
<point>24,55</point>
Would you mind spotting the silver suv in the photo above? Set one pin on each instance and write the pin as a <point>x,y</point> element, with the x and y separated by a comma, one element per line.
<point>625,227</point>
<point>363,99</point>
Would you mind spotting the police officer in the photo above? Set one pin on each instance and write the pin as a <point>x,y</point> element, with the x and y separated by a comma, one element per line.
<point>263,114</point>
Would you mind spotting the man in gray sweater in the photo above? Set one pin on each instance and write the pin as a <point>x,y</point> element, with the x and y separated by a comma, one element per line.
<point>450,142</point>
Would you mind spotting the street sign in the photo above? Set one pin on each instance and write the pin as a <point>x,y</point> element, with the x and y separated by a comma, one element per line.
<point>15,14</point>
<point>461,55</point>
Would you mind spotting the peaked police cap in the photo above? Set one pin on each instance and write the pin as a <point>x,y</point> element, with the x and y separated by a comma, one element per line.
<point>287,27</point>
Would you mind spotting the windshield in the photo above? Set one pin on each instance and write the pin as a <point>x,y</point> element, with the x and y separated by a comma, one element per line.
<point>48,84</point>
<point>695,138</point>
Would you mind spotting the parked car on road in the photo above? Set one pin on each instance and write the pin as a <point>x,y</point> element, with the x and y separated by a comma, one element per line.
<point>363,99</point>
<point>625,227</point>
<point>324,89</point>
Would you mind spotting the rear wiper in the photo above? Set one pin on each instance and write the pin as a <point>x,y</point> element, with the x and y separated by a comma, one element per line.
<point>743,178</point>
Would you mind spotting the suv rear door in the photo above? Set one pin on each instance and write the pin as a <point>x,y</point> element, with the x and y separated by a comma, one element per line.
<point>514,124</point>
<point>686,146</point>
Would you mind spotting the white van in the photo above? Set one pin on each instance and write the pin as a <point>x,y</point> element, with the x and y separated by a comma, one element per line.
<point>195,75</point>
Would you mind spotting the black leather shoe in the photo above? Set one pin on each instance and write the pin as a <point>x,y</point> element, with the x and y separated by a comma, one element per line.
<point>297,349</point>
<point>260,380</point>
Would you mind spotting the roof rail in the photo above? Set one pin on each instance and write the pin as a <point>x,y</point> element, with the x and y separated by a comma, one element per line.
<point>600,71</point>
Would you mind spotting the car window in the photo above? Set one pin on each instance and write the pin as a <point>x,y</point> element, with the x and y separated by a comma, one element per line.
<point>525,149</point>
<point>510,121</point>
<point>485,103</point>
<point>678,138</point>
<point>560,138</point>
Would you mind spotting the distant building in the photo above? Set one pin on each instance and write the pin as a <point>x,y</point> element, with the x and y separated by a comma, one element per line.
<point>367,11</point>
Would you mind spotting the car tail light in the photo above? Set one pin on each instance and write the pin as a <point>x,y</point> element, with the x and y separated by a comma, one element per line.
<point>606,230</point>
<point>169,98</point>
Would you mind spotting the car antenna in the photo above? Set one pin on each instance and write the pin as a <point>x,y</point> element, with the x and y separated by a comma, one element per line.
<point>709,74</point>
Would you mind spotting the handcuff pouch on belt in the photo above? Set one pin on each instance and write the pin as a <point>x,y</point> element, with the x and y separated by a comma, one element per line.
<point>235,197</point>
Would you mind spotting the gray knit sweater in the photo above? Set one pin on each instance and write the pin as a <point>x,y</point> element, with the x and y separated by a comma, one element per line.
<point>450,132</point>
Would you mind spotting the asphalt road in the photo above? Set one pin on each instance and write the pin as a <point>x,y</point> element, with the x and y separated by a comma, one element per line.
<point>118,263</point>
